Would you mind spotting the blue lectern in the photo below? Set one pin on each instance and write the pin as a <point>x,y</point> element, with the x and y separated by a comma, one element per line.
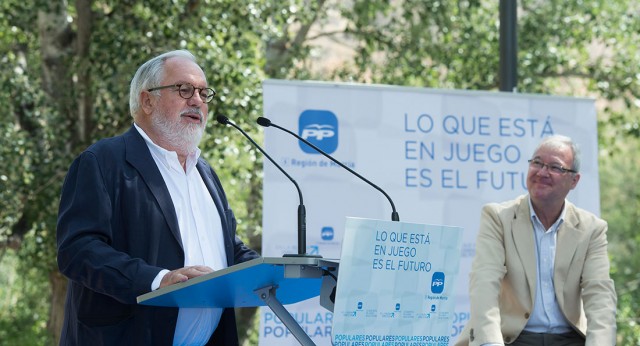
<point>271,281</point>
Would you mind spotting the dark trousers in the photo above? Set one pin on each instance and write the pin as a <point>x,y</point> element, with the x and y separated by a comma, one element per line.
<point>536,339</point>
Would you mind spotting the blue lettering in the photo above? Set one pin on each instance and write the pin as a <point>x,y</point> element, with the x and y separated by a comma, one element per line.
<point>424,123</point>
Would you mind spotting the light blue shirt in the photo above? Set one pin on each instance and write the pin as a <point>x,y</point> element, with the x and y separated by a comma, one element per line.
<point>546,316</point>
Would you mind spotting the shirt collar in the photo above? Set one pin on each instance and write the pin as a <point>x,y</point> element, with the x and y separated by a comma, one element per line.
<point>166,157</point>
<point>559,221</point>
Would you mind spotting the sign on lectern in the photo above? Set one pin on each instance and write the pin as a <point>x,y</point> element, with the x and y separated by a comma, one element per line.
<point>396,283</point>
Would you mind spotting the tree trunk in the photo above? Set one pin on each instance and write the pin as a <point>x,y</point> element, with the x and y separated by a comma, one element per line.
<point>56,40</point>
<point>56,313</point>
<point>279,53</point>
<point>85,97</point>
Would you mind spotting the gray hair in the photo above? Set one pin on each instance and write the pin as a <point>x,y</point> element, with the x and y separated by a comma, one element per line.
<point>150,74</point>
<point>558,141</point>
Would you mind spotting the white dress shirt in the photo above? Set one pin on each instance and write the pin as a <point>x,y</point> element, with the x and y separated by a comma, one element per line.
<point>200,231</point>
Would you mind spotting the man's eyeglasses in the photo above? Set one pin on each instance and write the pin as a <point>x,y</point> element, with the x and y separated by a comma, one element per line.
<point>187,90</point>
<point>552,167</point>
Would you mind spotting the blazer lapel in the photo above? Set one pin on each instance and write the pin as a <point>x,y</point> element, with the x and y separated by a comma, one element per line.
<point>138,156</point>
<point>566,244</point>
<point>524,242</point>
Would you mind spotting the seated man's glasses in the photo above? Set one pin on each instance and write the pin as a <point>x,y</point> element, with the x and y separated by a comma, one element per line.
<point>187,90</point>
<point>552,167</point>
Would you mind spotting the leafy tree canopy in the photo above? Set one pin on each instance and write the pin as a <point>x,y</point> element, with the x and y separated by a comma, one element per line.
<point>67,68</point>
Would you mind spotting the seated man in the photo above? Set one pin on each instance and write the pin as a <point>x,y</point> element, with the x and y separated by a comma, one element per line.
<point>541,271</point>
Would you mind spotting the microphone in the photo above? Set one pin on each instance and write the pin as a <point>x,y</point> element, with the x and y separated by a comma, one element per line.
<point>302,213</point>
<point>262,121</point>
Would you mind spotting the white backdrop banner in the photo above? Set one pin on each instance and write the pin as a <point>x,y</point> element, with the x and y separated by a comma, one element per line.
<point>439,154</point>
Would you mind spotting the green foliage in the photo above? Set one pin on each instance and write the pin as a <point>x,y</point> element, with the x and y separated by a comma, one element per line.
<point>621,208</point>
<point>455,44</point>
<point>43,87</point>
<point>59,57</point>
<point>23,312</point>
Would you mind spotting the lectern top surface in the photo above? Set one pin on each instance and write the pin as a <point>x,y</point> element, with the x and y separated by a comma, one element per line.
<point>235,286</point>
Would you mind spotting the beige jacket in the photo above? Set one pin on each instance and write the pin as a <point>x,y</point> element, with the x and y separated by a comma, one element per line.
<point>503,276</point>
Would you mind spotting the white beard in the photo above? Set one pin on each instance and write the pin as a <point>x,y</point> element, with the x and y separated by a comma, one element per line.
<point>181,137</point>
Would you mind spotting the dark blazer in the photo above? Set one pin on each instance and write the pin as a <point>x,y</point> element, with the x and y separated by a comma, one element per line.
<point>117,228</point>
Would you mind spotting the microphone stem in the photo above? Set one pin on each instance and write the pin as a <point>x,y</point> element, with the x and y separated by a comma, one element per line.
<point>302,218</point>
<point>302,230</point>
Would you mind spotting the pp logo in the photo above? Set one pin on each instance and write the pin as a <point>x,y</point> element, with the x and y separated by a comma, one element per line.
<point>319,127</point>
<point>326,233</point>
<point>437,282</point>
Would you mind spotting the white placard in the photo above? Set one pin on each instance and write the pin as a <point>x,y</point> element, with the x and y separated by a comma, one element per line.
<point>396,284</point>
